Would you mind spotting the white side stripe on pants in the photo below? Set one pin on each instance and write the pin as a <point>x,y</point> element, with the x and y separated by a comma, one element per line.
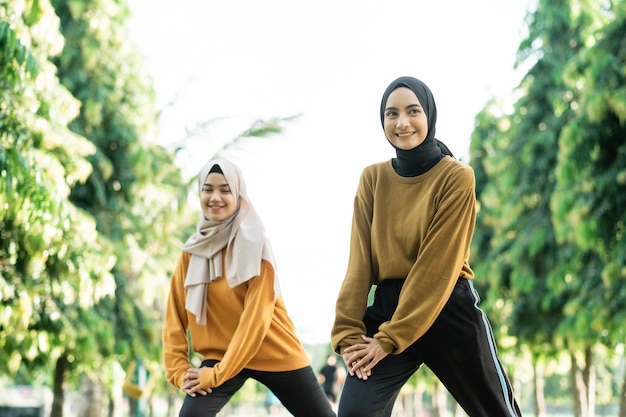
<point>492,347</point>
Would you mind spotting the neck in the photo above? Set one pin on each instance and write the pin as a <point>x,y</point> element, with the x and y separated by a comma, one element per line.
<point>416,161</point>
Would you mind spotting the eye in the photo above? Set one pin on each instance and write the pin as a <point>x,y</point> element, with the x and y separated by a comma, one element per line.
<point>391,113</point>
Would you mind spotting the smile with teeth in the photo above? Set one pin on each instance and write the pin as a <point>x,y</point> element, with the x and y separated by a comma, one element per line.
<point>403,134</point>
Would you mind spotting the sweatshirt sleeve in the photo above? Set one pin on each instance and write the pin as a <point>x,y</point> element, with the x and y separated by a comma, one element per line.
<point>352,299</point>
<point>432,278</point>
<point>174,333</point>
<point>254,323</point>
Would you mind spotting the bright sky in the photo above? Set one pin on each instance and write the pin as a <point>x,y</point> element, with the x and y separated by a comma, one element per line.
<point>329,60</point>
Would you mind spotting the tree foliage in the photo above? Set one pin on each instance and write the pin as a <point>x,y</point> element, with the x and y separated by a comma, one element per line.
<point>53,265</point>
<point>550,180</point>
<point>92,209</point>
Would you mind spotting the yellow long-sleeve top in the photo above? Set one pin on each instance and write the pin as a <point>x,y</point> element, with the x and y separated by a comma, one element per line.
<point>246,328</point>
<point>419,228</point>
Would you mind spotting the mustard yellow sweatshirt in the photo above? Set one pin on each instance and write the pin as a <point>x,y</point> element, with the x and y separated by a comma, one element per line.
<point>245,328</point>
<point>418,228</point>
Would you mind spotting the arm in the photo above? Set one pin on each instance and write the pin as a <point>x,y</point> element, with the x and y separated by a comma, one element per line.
<point>352,299</point>
<point>253,326</point>
<point>174,334</point>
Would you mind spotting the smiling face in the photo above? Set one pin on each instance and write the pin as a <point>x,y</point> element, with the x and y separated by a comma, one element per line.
<point>405,121</point>
<point>216,198</point>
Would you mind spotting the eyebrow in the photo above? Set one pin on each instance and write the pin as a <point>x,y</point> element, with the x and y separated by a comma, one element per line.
<point>206,184</point>
<point>408,107</point>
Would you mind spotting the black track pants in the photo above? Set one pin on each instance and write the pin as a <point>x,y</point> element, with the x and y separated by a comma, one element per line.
<point>459,348</point>
<point>297,390</point>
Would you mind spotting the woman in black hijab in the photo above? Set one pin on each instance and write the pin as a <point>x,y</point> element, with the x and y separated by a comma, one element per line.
<point>412,227</point>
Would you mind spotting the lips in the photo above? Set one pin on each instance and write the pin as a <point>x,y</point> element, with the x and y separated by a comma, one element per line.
<point>405,134</point>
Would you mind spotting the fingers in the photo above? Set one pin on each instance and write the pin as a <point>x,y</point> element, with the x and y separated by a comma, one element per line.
<point>361,372</point>
<point>354,353</point>
<point>356,366</point>
<point>191,383</point>
<point>374,361</point>
<point>354,358</point>
<point>350,366</point>
<point>355,348</point>
<point>361,358</point>
<point>361,369</point>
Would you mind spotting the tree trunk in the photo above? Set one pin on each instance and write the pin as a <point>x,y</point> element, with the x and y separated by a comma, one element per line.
<point>590,380</point>
<point>576,383</point>
<point>60,371</point>
<point>440,400</point>
<point>418,401</point>
<point>539,397</point>
<point>403,405</point>
<point>133,407</point>
<point>171,401</point>
<point>111,407</point>
<point>580,380</point>
<point>398,406</point>
<point>622,398</point>
<point>92,394</point>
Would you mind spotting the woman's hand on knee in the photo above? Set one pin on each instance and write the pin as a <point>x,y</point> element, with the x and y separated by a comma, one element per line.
<point>351,356</point>
<point>191,383</point>
<point>362,357</point>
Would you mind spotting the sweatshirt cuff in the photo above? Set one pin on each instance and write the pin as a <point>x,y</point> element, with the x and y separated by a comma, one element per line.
<point>207,378</point>
<point>388,347</point>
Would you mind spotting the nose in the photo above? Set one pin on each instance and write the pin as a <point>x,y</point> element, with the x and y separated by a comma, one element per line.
<point>402,121</point>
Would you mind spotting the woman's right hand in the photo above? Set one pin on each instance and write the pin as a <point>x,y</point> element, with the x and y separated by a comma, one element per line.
<point>362,357</point>
<point>351,357</point>
<point>191,383</point>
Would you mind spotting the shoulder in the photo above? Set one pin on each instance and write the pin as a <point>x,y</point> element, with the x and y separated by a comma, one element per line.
<point>183,263</point>
<point>184,257</point>
<point>371,176</point>
<point>266,267</point>
<point>180,271</point>
<point>373,172</point>
<point>458,173</point>
<point>376,168</point>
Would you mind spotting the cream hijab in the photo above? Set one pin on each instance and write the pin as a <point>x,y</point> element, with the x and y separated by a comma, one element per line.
<point>242,235</point>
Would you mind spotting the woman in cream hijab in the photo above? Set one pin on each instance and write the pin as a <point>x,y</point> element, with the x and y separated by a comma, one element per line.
<point>224,291</point>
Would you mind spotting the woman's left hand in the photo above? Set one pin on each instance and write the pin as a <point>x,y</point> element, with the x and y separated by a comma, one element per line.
<point>191,383</point>
<point>362,357</point>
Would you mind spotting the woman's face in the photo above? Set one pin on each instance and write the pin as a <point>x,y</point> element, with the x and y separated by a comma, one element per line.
<point>405,121</point>
<point>216,198</point>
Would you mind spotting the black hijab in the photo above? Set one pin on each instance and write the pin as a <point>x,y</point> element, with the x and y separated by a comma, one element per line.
<point>416,161</point>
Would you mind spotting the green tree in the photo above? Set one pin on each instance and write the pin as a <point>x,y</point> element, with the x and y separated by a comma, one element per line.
<point>134,188</point>
<point>53,265</point>
<point>589,200</point>
<point>518,252</point>
<point>543,281</point>
<point>93,211</point>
